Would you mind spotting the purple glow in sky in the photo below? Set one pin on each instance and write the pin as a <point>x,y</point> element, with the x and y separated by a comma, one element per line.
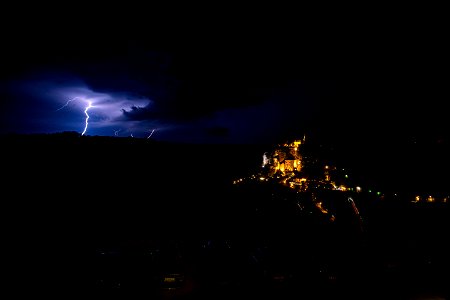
<point>105,110</point>
<point>71,105</point>
<point>238,90</point>
<point>57,103</point>
<point>111,100</point>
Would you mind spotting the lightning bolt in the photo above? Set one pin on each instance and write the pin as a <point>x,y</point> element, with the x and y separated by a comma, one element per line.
<point>87,117</point>
<point>116,132</point>
<point>67,103</point>
<point>151,133</point>
<point>85,111</point>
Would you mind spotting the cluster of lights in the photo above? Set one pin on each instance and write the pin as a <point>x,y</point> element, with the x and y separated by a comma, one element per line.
<point>299,184</point>
<point>248,178</point>
<point>430,199</point>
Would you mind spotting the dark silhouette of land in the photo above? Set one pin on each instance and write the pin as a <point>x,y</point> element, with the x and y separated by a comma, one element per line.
<point>131,217</point>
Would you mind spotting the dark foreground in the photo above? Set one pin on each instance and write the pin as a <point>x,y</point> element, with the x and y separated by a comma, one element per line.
<point>138,221</point>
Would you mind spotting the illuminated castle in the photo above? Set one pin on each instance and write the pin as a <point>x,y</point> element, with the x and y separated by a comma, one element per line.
<point>289,165</point>
<point>285,159</point>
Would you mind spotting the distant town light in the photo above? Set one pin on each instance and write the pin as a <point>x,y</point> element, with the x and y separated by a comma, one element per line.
<point>358,189</point>
<point>342,188</point>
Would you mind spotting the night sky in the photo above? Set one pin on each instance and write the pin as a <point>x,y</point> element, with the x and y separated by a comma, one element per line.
<point>216,88</point>
<point>252,84</point>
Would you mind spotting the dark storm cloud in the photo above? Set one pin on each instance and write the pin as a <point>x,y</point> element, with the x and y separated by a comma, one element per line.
<point>137,86</point>
<point>218,131</point>
<point>192,83</point>
<point>182,86</point>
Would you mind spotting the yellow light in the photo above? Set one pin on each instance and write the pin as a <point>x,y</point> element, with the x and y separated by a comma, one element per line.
<point>261,178</point>
<point>319,206</point>
<point>341,188</point>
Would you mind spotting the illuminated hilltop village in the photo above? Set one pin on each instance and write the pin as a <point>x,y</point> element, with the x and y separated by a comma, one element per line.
<point>292,172</point>
<point>289,165</point>
<point>284,159</point>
